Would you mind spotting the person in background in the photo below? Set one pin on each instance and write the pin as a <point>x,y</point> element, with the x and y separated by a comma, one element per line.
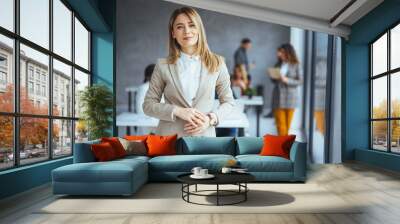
<point>142,89</point>
<point>320,90</point>
<point>139,99</point>
<point>240,56</point>
<point>239,80</point>
<point>238,84</point>
<point>285,95</point>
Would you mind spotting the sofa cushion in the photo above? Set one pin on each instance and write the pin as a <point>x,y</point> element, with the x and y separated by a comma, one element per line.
<point>257,163</point>
<point>207,145</point>
<point>159,145</point>
<point>185,163</point>
<point>248,145</point>
<point>83,152</point>
<point>111,171</point>
<point>134,147</point>
<point>277,145</point>
<point>103,152</point>
<point>133,158</point>
<point>116,145</point>
<point>136,137</point>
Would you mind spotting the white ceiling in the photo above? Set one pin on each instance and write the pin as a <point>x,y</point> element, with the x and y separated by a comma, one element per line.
<point>319,9</point>
<point>314,15</point>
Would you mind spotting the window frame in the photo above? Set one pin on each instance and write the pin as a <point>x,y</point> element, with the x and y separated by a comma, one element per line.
<point>16,114</point>
<point>388,74</point>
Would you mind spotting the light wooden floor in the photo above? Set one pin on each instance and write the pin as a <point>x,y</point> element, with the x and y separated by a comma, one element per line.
<point>377,188</point>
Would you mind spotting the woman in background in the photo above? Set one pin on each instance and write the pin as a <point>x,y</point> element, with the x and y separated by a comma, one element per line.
<point>142,89</point>
<point>285,95</point>
<point>239,80</point>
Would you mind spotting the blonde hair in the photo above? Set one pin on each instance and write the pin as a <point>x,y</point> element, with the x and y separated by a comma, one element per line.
<point>208,58</point>
<point>242,70</point>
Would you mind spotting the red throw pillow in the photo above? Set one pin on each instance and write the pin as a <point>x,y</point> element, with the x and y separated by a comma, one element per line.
<point>103,152</point>
<point>277,145</point>
<point>161,145</point>
<point>116,145</point>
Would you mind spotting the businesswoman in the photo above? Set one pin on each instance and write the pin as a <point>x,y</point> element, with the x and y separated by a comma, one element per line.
<point>188,79</point>
<point>285,96</point>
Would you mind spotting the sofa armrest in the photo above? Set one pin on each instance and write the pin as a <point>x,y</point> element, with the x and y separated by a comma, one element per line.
<point>298,155</point>
<point>83,152</point>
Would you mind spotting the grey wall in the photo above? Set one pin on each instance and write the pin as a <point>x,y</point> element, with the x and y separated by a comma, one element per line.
<point>142,36</point>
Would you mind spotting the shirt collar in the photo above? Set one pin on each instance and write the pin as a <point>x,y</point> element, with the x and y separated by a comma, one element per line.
<point>190,57</point>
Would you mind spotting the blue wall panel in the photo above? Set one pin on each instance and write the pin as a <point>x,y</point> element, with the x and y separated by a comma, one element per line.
<point>24,178</point>
<point>102,58</point>
<point>356,81</point>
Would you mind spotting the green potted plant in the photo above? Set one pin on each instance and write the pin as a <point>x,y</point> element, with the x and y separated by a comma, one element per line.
<point>250,92</point>
<point>96,103</point>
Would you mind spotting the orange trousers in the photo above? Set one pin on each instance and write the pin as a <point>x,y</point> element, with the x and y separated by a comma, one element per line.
<point>320,120</point>
<point>283,119</point>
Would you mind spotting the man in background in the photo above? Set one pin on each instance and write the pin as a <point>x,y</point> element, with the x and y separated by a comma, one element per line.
<point>240,56</point>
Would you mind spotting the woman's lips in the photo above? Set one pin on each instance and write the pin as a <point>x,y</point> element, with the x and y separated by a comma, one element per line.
<point>187,38</point>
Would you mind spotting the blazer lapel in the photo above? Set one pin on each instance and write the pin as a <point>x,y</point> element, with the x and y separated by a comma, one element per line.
<point>173,68</point>
<point>202,85</point>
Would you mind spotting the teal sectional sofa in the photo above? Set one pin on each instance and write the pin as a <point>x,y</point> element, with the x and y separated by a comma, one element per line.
<point>125,176</point>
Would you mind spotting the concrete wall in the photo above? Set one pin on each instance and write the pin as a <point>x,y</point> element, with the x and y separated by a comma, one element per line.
<point>142,38</point>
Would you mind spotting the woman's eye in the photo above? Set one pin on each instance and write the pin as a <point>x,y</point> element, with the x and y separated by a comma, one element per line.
<point>192,26</point>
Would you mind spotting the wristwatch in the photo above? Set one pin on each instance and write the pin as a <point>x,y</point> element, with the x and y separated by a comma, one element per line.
<point>213,119</point>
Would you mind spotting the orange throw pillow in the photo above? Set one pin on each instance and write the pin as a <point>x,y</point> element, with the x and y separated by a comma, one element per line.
<point>116,145</point>
<point>103,152</point>
<point>277,145</point>
<point>161,145</point>
<point>136,137</point>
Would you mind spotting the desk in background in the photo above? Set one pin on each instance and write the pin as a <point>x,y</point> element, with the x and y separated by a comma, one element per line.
<point>127,119</point>
<point>255,101</point>
<point>132,90</point>
<point>237,120</point>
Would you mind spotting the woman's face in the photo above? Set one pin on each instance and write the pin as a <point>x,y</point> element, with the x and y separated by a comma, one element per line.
<point>185,32</point>
<point>238,72</point>
<point>281,55</point>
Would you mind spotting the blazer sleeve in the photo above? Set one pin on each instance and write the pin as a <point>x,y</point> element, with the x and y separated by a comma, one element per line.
<point>151,105</point>
<point>224,92</point>
<point>298,78</point>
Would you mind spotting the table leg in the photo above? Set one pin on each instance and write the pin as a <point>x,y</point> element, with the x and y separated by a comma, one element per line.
<point>182,188</point>
<point>195,188</point>
<point>129,101</point>
<point>245,193</point>
<point>258,108</point>
<point>134,103</point>
<point>188,190</point>
<point>217,194</point>
<point>241,132</point>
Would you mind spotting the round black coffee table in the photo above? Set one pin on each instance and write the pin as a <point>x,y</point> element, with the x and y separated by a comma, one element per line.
<point>238,179</point>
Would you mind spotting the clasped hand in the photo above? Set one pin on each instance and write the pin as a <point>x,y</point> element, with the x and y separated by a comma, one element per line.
<point>284,79</point>
<point>197,122</point>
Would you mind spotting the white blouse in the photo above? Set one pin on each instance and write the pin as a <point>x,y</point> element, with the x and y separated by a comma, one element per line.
<point>189,68</point>
<point>284,69</point>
